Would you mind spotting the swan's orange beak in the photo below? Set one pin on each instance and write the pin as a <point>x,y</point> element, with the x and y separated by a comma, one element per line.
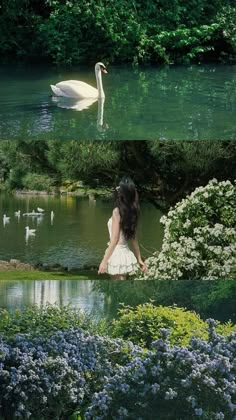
<point>104,70</point>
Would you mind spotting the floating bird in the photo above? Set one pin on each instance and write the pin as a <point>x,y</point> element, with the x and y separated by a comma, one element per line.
<point>17,213</point>
<point>6,219</point>
<point>40,210</point>
<point>78,89</point>
<point>30,231</point>
<point>33,213</point>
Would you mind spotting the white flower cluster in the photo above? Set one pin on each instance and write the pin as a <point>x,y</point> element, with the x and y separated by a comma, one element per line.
<point>199,236</point>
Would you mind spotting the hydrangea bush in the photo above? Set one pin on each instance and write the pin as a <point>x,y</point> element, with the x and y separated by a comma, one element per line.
<point>199,236</point>
<point>173,383</point>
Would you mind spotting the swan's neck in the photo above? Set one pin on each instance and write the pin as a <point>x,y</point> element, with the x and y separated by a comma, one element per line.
<point>100,111</point>
<point>101,93</point>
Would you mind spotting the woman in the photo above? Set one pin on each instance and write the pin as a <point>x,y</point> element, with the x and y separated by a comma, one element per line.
<point>119,260</point>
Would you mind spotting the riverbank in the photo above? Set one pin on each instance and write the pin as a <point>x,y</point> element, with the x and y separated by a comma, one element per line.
<point>70,189</point>
<point>17,270</point>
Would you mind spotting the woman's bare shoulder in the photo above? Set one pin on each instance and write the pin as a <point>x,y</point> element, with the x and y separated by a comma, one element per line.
<point>116,212</point>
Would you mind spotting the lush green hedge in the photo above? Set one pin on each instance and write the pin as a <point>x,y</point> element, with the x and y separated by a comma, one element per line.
<point>46,320</point>
<point>142,325</point>
<point>81,32</point>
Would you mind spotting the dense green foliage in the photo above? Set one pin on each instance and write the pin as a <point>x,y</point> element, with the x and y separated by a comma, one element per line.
<point>142,325</point>
<point>162,170</point>
<point>215,299</point>
<point>45,321</point>
<point>125,31</point>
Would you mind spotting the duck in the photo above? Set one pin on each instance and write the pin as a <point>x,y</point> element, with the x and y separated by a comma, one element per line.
<point>6,218</point>
<point>79,89</point>
<point>30,231</point>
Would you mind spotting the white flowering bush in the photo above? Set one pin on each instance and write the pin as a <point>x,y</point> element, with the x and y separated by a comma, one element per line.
<point>199,236</point>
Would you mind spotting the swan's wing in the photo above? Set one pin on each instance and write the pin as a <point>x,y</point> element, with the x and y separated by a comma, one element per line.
<point>76,89</point>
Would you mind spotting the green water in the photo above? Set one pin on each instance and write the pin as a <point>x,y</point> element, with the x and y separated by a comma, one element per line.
<point>103,298</point>
<point>192,103</point>
<point>76,236</point>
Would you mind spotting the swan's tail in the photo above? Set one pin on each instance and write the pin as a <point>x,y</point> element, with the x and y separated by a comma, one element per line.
<point>56,90</point>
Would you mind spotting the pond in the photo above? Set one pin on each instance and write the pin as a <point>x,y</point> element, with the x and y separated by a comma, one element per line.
<point>102,298</point>
<point>176,102</point>
<point>76,235</point>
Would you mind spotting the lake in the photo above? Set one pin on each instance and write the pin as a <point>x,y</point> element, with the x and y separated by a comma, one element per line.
<point>76,236</point>
<point>196,102</point>
<point>102,298</point>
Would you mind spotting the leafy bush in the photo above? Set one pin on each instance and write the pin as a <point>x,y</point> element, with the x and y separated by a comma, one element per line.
<point>72,371</point>
<point>143,324</point>
<point>173,383</point>
<point>52,376</point>
<point>38,182</point>
<point>46,320</point>
<point>128,31</point>
<point>199,237</point>
<point>226,18</point>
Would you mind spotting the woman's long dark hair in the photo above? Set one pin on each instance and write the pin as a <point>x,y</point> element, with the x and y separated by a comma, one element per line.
<point>126,199</point>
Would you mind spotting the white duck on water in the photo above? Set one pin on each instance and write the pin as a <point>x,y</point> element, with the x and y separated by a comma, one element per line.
<point>30,231</point>
<point>6,219</point>
<point>81,90</point>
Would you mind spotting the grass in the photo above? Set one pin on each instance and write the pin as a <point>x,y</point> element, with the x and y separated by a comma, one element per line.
<point>50,275</point>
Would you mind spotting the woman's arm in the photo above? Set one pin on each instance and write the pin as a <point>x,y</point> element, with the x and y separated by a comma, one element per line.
<point>115,235</point>
<point>137,254</point>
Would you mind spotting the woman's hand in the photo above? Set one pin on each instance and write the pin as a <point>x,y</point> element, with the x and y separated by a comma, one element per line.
<point>142,266</point>
<point>102,267</point>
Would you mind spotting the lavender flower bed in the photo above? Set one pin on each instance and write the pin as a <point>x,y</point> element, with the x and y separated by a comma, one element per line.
<point>104,378</point>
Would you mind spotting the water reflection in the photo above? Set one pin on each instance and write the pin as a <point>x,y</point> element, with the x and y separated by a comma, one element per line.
<point>72,231</point>
<point>103,298</point>
<point>81,105</point>
<point>171,102</point>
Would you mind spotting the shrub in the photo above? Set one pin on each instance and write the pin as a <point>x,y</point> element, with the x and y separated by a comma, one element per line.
<point>173,383</point>
<point>143,324</point>
<point>101,378</point>
<point>47,320</point>
<point>33,181</point>
<point>199,236</point>
<point>53,376</point>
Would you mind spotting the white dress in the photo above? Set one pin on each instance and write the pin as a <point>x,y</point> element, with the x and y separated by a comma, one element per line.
<point>122,260</point>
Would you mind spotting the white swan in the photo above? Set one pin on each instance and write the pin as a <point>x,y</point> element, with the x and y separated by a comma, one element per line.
<point>78,89</point>
<point>40,210</point>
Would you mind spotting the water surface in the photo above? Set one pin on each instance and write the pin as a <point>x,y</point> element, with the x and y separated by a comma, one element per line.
<point>75,237</point>
<point>186,103</point>
<point>103,298</point>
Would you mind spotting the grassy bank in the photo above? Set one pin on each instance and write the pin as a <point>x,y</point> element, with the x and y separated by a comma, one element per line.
<point>49,275</point>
